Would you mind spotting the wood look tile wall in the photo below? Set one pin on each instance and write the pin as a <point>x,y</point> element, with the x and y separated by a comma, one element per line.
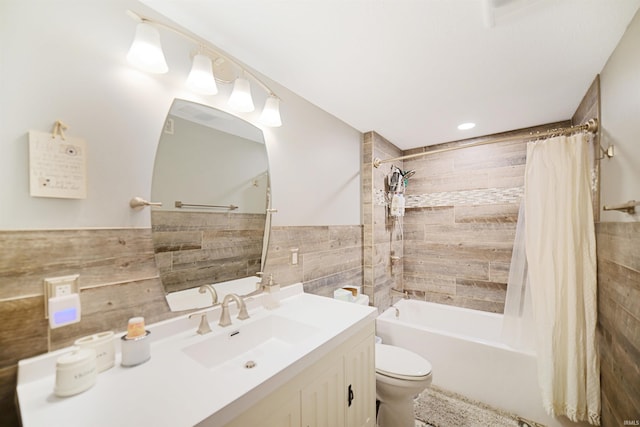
<point>199,248</point>
<point>329,257</point>
<point>456,253</point>
<point>618,246</point>
<point>380,240</point>
<point>460,254</point>
<point>119,280</point>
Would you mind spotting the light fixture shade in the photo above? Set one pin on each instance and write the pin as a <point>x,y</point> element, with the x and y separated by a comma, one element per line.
<point>240,99</point>
<point>201,78</point>
<point>271,113</point>
<point>146,51</point>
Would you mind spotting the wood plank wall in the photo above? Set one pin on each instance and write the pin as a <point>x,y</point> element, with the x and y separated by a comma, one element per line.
<point>380,241</point>
<point>458,252</point>
<point>618,246</point>
<point>119,280</point>
<point>199,248</point>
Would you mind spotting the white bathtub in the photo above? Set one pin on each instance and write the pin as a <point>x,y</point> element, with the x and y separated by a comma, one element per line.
<point>467,356</point>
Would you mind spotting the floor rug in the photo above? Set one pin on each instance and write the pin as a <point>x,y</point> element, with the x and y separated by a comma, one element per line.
<point>440,408</point>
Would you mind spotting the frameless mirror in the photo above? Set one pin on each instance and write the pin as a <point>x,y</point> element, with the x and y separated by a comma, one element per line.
<point>211,174</point>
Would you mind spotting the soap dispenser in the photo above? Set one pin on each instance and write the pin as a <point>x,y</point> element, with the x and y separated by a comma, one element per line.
<point>271,296</point>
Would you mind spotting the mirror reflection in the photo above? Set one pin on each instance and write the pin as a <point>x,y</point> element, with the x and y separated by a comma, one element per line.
<point>211,175</point>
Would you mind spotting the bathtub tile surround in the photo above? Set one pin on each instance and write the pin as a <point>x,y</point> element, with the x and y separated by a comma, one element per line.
<point>380,242</point>
<point>118,280</point>
<point>618,246</point>
<point>459,225</point>
<point>488,196</point>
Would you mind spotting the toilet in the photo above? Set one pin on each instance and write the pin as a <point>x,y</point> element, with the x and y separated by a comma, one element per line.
<point>400,376</point>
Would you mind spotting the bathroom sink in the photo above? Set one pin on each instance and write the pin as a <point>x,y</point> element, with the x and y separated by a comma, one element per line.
<point>253,345</point>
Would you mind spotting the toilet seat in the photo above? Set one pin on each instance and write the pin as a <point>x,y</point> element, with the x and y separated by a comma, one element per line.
<point>397,362</point>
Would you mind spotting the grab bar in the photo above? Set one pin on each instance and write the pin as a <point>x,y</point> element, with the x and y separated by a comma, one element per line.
<point>179,204</point>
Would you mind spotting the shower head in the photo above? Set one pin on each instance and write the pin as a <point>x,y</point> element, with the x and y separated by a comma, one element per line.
<point>408,174</point>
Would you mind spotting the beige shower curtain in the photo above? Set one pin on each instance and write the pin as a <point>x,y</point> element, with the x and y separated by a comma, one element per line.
<point>561,257</point>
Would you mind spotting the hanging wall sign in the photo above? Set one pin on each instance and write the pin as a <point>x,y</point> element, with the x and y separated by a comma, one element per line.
<point>57,166</point>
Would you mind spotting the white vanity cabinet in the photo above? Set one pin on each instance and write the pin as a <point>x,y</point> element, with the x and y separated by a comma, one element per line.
<point>360,379</point>
<point>312,365</point>
<point>336,391</point>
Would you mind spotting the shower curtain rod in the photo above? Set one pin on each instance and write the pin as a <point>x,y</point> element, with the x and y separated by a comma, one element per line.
<point>590,126</point>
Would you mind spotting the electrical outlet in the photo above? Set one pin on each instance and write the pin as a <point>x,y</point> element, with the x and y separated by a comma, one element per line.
<point>59,287</point>
<point>62,290</point>
<point>293,260</point>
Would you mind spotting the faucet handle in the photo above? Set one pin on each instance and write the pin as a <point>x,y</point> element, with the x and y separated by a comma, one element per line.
<point>243,314</point>
<point>204,327</point>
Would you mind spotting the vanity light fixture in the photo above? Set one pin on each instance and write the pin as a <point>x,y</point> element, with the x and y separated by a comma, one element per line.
<point>466,126</point>
<point>240,99</point>
<point>271,113</point>
<point>146,53</point>
<point>201,78</point>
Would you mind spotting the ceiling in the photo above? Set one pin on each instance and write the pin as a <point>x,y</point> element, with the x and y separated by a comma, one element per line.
<point>412,70</point>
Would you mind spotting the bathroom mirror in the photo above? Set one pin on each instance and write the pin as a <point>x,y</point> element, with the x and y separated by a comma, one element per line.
<point>211,174</point>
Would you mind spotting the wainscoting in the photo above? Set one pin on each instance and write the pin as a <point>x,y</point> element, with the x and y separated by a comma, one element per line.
<point>198,248</point>
<point>619,321</point>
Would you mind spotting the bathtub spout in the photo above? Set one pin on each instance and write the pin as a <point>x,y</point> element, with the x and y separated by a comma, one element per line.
<point>397,312</point>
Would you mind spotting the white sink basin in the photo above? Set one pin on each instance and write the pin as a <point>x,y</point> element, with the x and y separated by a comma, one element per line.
<point>252,345</point>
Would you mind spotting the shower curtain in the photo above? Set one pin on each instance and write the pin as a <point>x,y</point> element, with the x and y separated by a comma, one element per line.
<point>561,269</point>
<point>518,328</point>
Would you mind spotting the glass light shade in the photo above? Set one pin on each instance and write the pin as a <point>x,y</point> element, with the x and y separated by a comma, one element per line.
<point>240,99</point>
<point>201,78</point>
<point>146,51</point>
<point>271,113</point>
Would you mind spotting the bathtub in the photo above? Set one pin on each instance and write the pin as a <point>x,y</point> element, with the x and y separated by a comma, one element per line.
<point>467,356</point>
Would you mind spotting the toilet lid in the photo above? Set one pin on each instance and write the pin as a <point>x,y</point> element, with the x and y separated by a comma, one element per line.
<point>399,362</point>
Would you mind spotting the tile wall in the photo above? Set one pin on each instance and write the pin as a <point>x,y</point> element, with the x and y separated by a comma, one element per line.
<point>381,238</point>
<point>618,245</point>
<point>198,248</point>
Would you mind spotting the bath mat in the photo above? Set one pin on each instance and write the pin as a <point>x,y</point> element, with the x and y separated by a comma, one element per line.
<point>440,408</point>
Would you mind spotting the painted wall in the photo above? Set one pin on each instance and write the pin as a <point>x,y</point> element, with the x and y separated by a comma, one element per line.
<point>620,86</point>
<point>66,60</point>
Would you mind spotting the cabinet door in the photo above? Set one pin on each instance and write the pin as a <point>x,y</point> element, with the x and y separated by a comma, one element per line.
<point>323,400</point>
<point>279,409</point>
<point>360,385</point>
<point>287,415</point>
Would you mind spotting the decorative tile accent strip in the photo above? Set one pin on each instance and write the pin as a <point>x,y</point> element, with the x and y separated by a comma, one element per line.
<point>486,196</point>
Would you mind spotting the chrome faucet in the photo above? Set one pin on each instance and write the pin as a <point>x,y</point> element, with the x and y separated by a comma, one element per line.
<point>225,319</point>
<point>214,296</point>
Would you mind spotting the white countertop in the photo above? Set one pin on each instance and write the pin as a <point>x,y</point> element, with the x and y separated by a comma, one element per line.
<point>172,389</point>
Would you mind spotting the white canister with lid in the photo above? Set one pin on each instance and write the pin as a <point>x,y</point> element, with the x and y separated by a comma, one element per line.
<point>75,372</point>
<point>104,345</point>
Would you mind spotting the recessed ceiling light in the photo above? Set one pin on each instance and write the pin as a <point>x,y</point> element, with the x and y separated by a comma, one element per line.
<point>466,126</point>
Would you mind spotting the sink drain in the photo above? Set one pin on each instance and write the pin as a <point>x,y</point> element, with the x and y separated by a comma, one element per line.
<point>250,364</point>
